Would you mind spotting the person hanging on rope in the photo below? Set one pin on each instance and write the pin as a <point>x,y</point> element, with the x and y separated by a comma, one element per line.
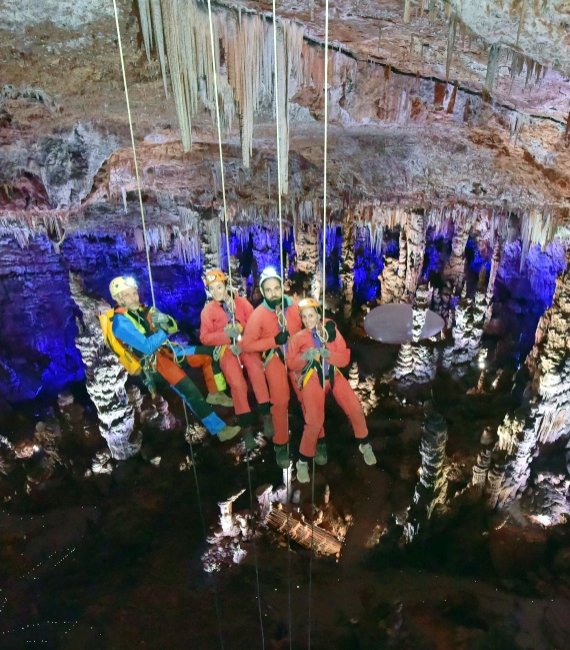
<point>144,332</point>
<point>267,332</point>
<point>222,322</point>
<point>315,355</point>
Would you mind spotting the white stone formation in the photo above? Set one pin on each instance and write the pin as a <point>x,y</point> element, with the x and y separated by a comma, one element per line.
<point>105,379</point>
<point>431,488</point>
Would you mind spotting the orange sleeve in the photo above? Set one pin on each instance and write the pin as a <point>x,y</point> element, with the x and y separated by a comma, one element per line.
<point>253,339</point>
<point>209,333</point>
<point>340,354</point>
<point>295,348</point>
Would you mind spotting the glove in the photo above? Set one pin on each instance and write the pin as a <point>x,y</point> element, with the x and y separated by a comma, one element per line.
<point>325,354</point>
<point>231,330</point>
<point>158,319</point>
<point>282,337</point>
<point>310,354</point>
<point>235,348</point>
<point>330,327</point>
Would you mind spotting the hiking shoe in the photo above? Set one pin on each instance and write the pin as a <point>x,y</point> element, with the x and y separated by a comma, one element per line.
<point>228,432</point>
<point>368,453</point>
<point>268,430</point>
<point>303,471</point>
<point>219,399</point>
<point>321,457</point>
<point>282,455</point>
<point>249,439</point>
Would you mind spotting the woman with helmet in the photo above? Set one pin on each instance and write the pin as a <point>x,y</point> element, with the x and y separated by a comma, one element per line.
<point>315,355</point>
<point>144,332</point>
<point>267,332</point>
<point>222,322</point>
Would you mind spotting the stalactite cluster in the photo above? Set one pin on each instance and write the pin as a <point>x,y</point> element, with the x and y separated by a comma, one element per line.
<point>243,62</point>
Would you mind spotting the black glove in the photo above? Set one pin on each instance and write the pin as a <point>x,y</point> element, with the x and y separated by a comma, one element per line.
<point>282,337</point>
<point>330,327</point>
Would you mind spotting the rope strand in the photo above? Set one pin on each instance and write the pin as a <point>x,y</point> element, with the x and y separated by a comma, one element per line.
<point>219,128</point>
<point>145,238</point>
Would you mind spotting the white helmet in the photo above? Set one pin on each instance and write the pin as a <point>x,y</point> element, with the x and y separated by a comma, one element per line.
<point>120,284</point>
<point>268,273</point>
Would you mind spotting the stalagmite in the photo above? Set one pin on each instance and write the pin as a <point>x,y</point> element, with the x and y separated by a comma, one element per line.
<point>308,259</point>
<point>431,489</point>
<point>424,367</point>
<point>454,271</point>
<point>105,379</point>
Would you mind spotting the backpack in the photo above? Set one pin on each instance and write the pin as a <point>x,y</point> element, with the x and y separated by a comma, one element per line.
<point>131,363</point>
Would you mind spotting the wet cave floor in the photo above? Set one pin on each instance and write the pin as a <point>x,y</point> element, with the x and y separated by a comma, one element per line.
<point>113,561</point>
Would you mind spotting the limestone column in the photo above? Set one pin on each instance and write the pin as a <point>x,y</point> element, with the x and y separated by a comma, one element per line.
<point>105,378</point>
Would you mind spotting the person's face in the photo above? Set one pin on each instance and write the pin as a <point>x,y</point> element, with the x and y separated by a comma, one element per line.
<point>129,298</point>
<point>272,290</point>
<point>218,290</point>
<point>309,317</point>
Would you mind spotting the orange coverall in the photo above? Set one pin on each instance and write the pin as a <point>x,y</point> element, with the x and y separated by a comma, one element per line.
<point>214,319</point>
<point>313,393</point>
<point>259,336</point>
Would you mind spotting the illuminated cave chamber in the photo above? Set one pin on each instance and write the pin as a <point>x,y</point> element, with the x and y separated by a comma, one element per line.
<point>447,190</point>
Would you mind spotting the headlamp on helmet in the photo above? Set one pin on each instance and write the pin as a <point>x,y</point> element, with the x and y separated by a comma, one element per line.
<point>268,273</point>
<point>121,283</point>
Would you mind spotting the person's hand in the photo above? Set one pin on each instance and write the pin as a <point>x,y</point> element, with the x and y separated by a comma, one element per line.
<point>232,330</point>
<point>330,328</point>
<point>282,337</point>
<point>158,319</point>
<point>310,354</point>
<point>235,348</point>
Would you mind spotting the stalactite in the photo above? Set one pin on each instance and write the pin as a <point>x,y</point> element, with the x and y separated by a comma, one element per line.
<point>492,64</point>
<point>308,261</point>
<point>452,31</point>
<point>347,267</point>
<point>549,365</point>
<point>463,220</point>
<point>211,241</point>
<point>407,10</point>
<point>182,35</point>
<point>105,379</point>
<point>415,250</point>
<point>536,228</point>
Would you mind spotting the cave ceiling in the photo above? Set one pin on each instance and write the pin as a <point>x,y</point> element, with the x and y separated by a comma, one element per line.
<point>431,104</point>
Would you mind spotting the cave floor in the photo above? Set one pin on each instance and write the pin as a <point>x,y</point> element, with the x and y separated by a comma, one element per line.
<point>113,561</point>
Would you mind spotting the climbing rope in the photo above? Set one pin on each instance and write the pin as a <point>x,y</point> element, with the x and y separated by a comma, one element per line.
<point>219,127</point>
<point>323,335</point>
<point>281,315</point>
<point>145,238</point>
<point>146,247</point>
<point>220,153</point>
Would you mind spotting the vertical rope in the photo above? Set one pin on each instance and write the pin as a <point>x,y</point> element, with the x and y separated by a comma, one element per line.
<point>219,128</point>
<point>221,156</point>
<point>326,91</point>
<point>146,247</point>
<point>278,154</point>
<point>282,271</point>
<point>203,524</point>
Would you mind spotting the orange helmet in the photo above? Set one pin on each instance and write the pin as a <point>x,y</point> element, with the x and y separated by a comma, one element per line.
<point>120,284</point>
<point>309,302</point>
<point>215,275</point>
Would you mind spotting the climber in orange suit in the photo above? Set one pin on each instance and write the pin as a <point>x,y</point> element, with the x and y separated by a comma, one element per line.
<point>221,324</point>
<point>267,332</point>
<point>315,355</point>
